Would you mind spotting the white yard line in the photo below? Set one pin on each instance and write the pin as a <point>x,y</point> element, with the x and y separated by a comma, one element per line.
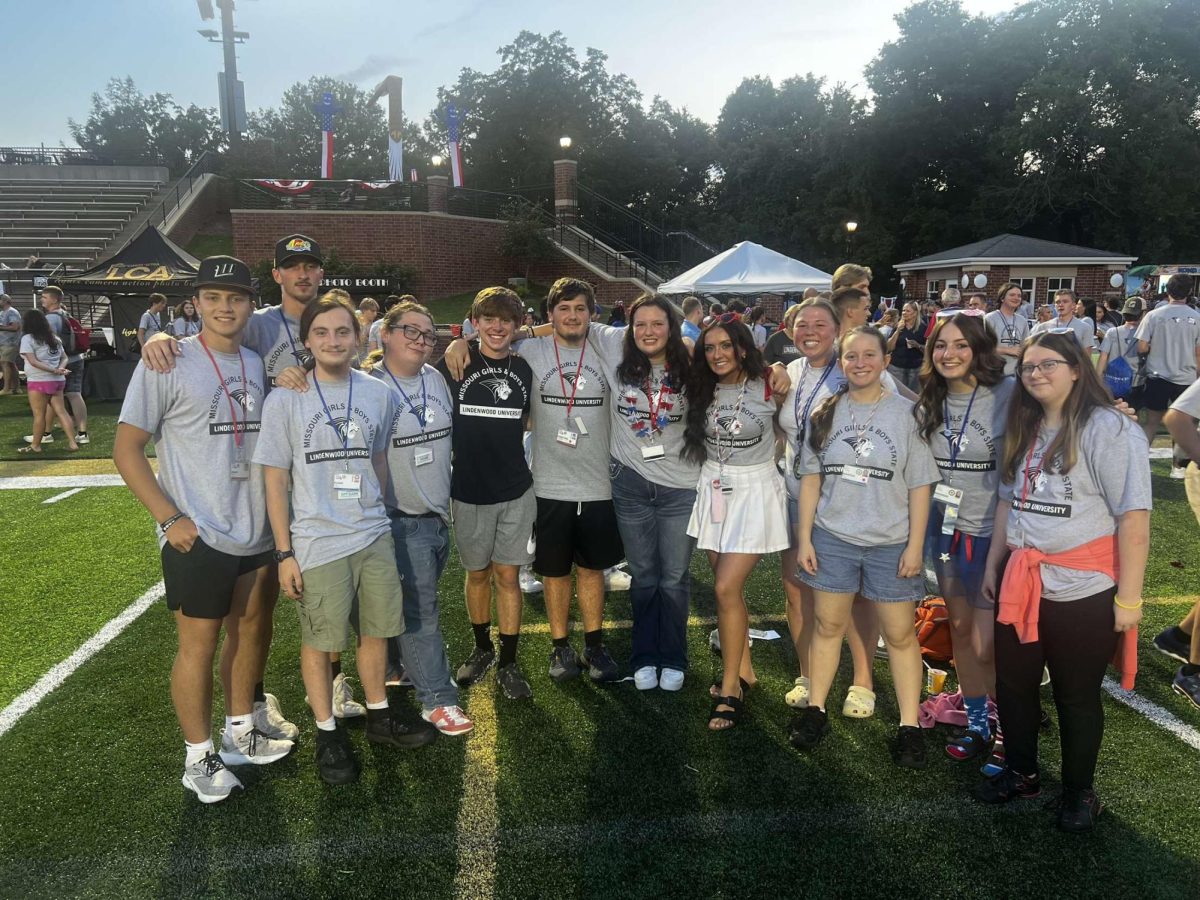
<point>1155,713</point>
<point>12,713</point>
<point>27,483</point>
<point>63,496</point>
<point>478,826</point>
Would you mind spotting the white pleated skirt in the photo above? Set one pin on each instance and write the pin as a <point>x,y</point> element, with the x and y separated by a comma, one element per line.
<point>755,518</point>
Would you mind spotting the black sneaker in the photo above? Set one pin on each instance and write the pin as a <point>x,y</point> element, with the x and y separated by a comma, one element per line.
<point>1077,811</point>
<point>564,664</point>
<point>807,728</point>
<point>908,748</point>
<point>335,760</point>
<point>1006,786</point>
<point>512,683</point>
<point>601,665</point>
<point>1187,686</point>
<point>475,667</point>
<point>391,731</point>
<point>1167,642</point>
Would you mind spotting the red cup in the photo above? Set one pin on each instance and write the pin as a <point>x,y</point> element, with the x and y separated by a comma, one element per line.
<point>456,331</point>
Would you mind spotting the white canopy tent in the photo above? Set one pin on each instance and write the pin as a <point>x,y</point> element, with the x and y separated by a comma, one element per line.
<point>748,268</point>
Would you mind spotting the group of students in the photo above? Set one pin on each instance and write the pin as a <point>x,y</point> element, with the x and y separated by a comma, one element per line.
<point>283,465</point>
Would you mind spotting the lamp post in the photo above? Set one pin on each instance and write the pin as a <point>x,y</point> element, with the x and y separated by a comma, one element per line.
<point>436,160</point>
<point>564,143</point>
<point>851,227</point>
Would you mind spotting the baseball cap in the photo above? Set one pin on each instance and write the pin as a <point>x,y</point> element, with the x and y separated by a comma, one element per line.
<point>296,245</point>
<point>224,272</point>
<point>1132,308</point>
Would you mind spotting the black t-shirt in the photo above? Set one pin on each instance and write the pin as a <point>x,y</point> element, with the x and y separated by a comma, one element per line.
<point>780,349</point>
<point>905,357</point>
<point>490,404</point>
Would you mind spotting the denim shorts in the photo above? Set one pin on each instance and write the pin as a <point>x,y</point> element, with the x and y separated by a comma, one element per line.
<point>961,574</point>
<point>844,568</point>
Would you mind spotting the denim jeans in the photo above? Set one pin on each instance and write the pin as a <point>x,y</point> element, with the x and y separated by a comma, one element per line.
<point>653,523</point>
<point>422,549</point>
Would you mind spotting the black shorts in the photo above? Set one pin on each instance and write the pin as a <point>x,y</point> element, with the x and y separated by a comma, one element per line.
<point>1160,394</point>
<point>201,581</point>
<point>571,532</point>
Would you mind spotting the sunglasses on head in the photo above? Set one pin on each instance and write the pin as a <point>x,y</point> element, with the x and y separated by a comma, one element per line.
<point>726,318</point>
<point>951,313</point>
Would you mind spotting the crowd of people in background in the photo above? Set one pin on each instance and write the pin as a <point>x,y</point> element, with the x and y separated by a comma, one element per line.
<point>313,447</point>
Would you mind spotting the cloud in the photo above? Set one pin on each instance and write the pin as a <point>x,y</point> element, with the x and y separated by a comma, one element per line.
<point>376,66</point>
<point>464,18</point>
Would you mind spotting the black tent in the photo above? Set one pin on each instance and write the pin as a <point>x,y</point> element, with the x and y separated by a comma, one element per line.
<point>150,263</point>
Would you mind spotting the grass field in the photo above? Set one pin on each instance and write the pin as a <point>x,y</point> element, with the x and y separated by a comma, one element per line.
<point>589,791</point>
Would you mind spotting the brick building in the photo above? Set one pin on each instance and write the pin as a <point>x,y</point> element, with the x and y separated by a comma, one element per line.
<point>1039,267</point>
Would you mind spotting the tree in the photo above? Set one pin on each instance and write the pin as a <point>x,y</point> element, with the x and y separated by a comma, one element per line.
<point>524,239</point>
<point>132,128</point>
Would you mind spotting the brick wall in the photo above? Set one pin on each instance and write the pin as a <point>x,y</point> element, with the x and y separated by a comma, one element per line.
<point>1091,283</point>
<point>452,254</point>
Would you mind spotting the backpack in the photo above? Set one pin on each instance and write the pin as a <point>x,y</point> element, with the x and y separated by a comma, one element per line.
<point>75,338</point>
<point>1118,375</point>
<point>933,630</point>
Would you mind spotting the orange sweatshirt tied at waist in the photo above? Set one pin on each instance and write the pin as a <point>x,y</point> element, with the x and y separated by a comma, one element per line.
<point>1021,593</point>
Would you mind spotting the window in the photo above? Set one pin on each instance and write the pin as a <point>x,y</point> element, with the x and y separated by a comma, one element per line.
<point>934,290</point>
<point>1026,286</point>
<point>1058,284</point>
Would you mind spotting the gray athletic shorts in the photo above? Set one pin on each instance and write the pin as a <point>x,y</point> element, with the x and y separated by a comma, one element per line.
<point>494,532</point>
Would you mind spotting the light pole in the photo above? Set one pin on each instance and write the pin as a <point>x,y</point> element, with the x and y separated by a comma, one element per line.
<point>851,227</point>
<point>564,143</point>
<point>436,160</point>
<point>228,38</point>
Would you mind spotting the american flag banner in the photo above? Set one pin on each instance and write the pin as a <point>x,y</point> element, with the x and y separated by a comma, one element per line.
<point>412,174</point>
<point>325,111</point>
<point>454,128</point>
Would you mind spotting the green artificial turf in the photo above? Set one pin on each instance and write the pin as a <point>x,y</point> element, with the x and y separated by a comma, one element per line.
<point>16,420</point>
<point>597,791</point>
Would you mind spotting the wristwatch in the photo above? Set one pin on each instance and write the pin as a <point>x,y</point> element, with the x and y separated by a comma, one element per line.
<point>281,555</point>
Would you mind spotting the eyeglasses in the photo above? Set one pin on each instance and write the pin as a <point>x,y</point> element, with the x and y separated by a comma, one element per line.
<point>726,318</point>
<point>1046,367</point>
<point>413,333</point>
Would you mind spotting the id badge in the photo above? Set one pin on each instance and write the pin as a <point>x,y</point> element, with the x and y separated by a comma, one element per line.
<point>717,503</point>
<point>657,451</point>
<point>347,485</point>
<point>423,457</point>
<point>951,496</point>
<point>240,469</point>
<point>855,474</point>
<point>567,438</point>
<point>950,519</point>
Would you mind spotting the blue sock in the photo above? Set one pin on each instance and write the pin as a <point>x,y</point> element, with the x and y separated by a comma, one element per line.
<point>977,715</point>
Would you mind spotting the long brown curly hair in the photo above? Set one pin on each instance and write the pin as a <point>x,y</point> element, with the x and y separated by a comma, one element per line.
<point>986,366</point>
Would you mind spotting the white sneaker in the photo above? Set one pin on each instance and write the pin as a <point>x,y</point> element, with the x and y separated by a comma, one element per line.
<point>797,697</point>
<point>82,438</point>
<point>268,718</point>
<point>645,678</point>
<point>208,779</point>
<point>529,584</point>
<point>252,748</point>
<point>1178,472</point>
<point>670,679</point>
<point>617,579</point>
<point>449,720</point>
<point>48,438</point>
<point>344,704</point>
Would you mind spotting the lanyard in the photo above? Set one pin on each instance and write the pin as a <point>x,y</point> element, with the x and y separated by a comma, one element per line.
<point>802,420</point>
<point>345,436</point>
<point>157,322</point>
<point>1010,328</point>
<point>288,328</point>
<point>664,401</point>
<point>420,415</point>
<point>563,382</point>
<point>956,445</point>
<point>237,435</point>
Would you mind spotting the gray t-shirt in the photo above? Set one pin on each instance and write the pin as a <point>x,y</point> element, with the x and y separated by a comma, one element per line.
<point>318,443</point>
<point>276,338</point>
<point>973,466</point>
<point>1010,332</point>
<point>10,317</point>
<point>632,431</point>
<point>183,328</point>
<point>560,472</point>
<point>1173,333</point>
<point>738,429</point>
<point>1189,402</point>
<point>419,446</point>
<point>188,415</point>
<point>152,323</point>
<point>47,354</point>
<point>58,323</point>
<point>896,461</point>
<point>1085,332</point>
<point>1056,512</point>
<point>811,386</point>
<point>1121,341</point>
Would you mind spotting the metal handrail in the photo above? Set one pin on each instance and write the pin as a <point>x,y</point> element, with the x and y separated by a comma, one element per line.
<point>204,164</point>
<point>50,156</point>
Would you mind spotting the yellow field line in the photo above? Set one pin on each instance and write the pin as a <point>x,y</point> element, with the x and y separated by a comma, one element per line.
<point>478,824</point>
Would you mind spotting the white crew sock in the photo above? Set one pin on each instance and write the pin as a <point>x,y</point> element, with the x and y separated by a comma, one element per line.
<point>329,724</point>
<point>196,752</point>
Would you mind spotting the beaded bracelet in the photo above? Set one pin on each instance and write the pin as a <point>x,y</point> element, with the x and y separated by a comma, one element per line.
<point>171,521</point>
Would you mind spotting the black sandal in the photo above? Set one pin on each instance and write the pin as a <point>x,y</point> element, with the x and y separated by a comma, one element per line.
<point>731,715</point>
<point>969,745</point>
<point>715,690</point>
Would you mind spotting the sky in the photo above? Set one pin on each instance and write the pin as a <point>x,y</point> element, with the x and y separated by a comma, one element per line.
<point>57,53</point>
